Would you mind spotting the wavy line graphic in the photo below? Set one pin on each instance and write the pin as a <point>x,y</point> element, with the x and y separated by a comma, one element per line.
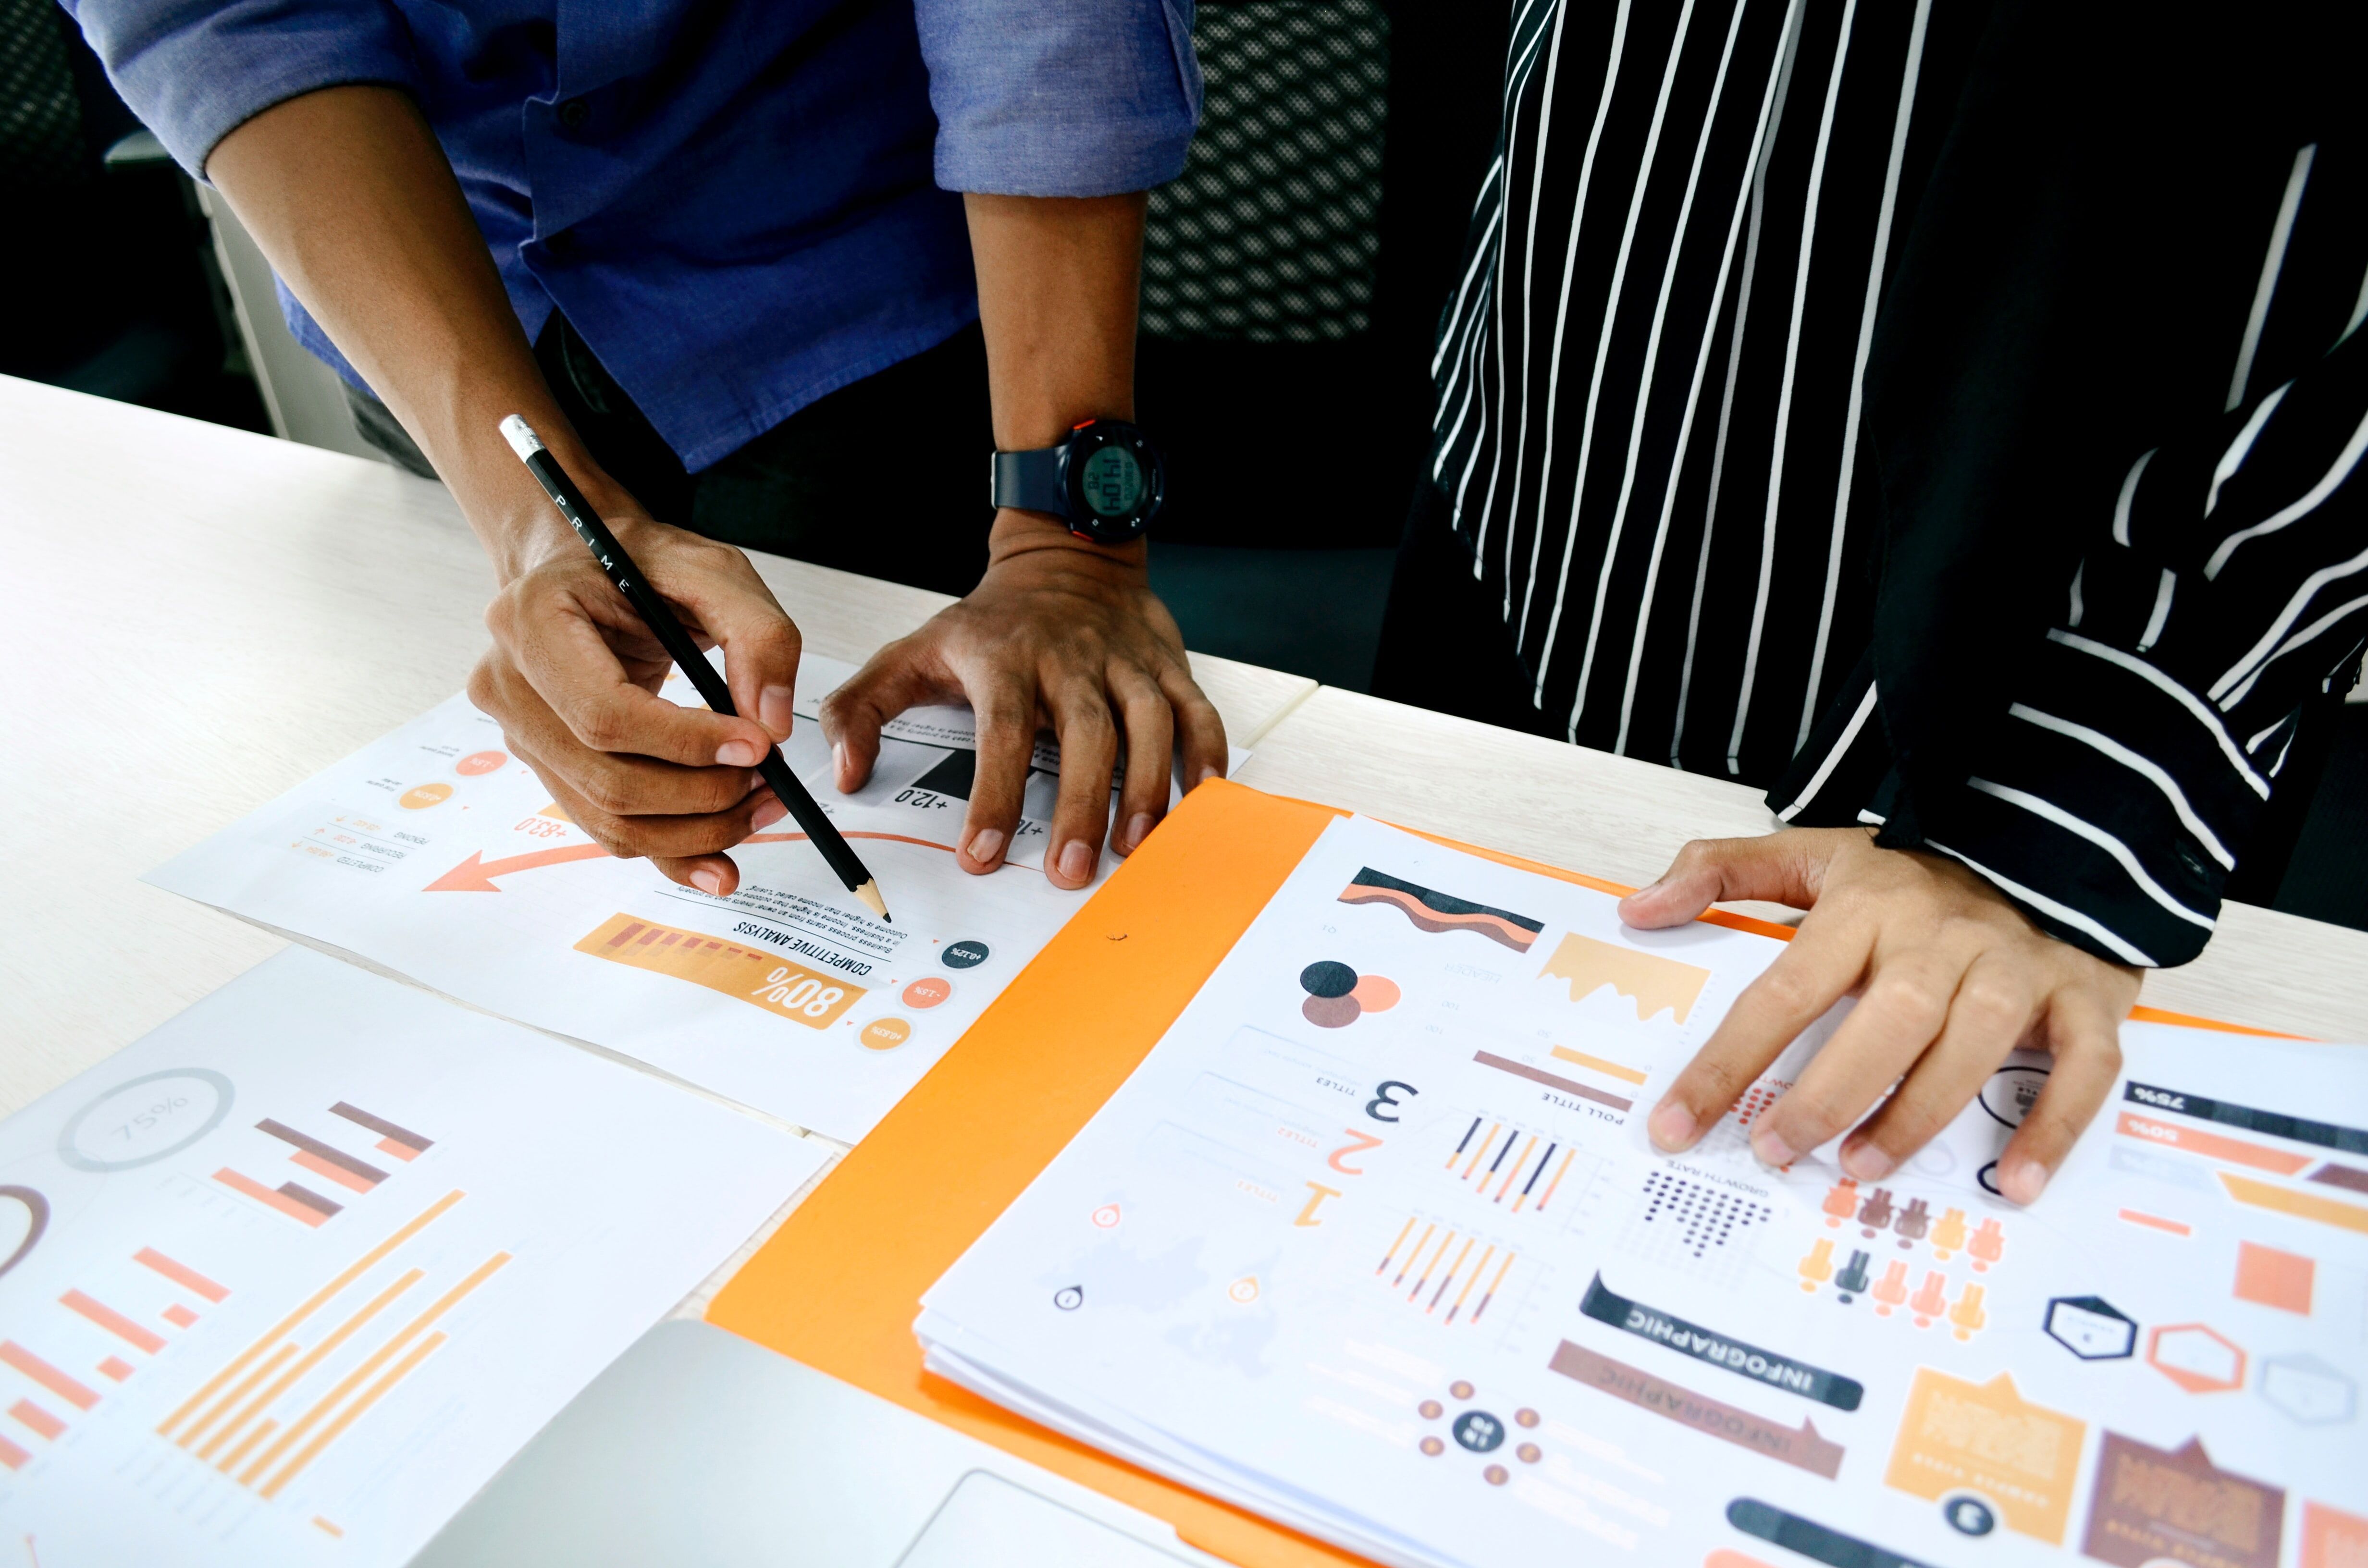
<point>1431,910</point>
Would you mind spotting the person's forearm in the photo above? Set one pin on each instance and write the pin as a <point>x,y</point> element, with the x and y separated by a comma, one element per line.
<point>353,201</point>
<point>1057,285</point>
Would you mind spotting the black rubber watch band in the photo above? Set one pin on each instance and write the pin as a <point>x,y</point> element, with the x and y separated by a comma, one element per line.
<point>1029,480</point>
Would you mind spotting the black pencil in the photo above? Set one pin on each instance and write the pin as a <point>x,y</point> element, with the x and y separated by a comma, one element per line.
<point>653,611</point>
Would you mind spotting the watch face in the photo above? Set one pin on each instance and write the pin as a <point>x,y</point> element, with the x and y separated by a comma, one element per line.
<point>1112,481</point>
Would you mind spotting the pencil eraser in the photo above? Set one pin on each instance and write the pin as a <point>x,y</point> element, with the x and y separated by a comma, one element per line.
<point>521,437</point>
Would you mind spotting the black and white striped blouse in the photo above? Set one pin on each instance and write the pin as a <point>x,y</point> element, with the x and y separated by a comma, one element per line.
<point>1658,430</point>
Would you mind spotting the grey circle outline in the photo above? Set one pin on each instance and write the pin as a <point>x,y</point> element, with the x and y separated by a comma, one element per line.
<point>81,1161</point>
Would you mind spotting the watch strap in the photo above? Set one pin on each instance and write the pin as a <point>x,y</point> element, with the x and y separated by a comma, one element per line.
<point>1029,480</point>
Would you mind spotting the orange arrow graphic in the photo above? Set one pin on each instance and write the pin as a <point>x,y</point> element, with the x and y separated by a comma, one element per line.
<point>477,873</point>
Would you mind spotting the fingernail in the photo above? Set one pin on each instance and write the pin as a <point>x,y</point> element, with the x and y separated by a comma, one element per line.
<point>1076,860</point>
<point>1203,777</point>
<point>1771,1150</point>
<point>1867,1162</point>
<point>773,709</point>
<point>985,846</point>
<point>1672,1126</point>
<point>2023,1181</point>
<point>838,761</point>
<point>1137,830</point>
<point>768,814</point>
<point>709,882</point>
<point>738,753</point>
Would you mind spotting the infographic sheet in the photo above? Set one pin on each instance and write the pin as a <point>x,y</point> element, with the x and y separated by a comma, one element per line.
<point>1373,1242</point>
<point>438,855</point>
<point>287,1281</point>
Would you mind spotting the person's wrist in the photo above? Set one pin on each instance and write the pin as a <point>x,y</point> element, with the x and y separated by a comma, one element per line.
<point>1016,533</point>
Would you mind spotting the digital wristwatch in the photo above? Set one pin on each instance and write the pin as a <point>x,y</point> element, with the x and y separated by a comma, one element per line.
<point>1106,482</point>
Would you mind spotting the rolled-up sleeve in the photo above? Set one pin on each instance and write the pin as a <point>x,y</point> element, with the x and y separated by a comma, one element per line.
<point>1060,97</point>
<point>194,73</point>
<point>2152,729</point>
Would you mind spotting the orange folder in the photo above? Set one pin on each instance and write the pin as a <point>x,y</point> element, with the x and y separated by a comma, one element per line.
<point>838,1286</point>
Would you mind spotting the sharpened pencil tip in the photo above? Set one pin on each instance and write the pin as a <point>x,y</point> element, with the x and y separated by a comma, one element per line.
<point>869,894</point>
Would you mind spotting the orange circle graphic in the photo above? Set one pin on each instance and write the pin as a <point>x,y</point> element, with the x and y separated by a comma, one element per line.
<point>1375,994</point>
<point>425,796</point>
<point>478,762</point>
<point>885,1034</point>
<point>928,990</point>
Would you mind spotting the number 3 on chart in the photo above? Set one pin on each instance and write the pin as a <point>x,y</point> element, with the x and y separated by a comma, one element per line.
<point>1385,1098</point>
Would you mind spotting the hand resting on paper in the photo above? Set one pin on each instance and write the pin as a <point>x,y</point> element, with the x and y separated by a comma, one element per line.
<point>573,677</point>
<point>1062,635</point>
<point>1949,977</point>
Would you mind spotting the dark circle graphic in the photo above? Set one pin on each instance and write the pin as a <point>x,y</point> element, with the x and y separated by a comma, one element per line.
<point>70,1152</point>
<point>1070,1297</point>
<point>1968,1515</point>
<point>1988,1177</point>
<point>2011,1093</point>
<point>963,955</point>
<point>1324,977</point>
<point>1331,1012</point>
<point>1479,1431</point>
<point>36,1220</point>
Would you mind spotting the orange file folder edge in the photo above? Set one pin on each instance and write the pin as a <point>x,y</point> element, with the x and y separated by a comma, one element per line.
<point>839,1284</point>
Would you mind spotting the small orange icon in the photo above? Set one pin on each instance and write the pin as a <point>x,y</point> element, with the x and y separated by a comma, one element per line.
<point>1988,1242</point>
<point>1842,1202</point>
<point>1106,1216</point>
<point>1245,1290</point>
<point>1967,1313</point>
<point>1891,1289</point>
<point>1949,1235</point>
<point>1818,1266</point>
<point>1929,1300</point>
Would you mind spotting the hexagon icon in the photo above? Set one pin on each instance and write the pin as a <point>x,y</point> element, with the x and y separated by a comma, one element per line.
<point>2091,1328</point>
<point>2307,1390</point>
<point>2197,1358</point>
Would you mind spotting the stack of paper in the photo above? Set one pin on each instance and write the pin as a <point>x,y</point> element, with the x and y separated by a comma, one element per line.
<point>1373,1244</point>
<point>438,855</point>
<point>287,1281</point>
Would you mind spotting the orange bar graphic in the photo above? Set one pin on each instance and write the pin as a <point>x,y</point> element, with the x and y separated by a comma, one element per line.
<point>1490,1294</point>
<point>39,1420</point>
<point>262,1194</point>
<point>1451,1273</point>
<point>762,980</point>
<point>311,1358</point>
<point>1626,1075</point>
<point>1469,1280</point>
<point>370,1363</point>
<point>49,1377</point>
<point>326,1525</point>
<point>270,1364</point>
<point>179,1274</point>
<point>1395,1244</point>
<point>1445,1242</point>
<point>179,1316</point>
<point>12,1456</point>
<point>1427,1231</point>
<point>263,1429</point>
<point>321,1167</point>
<point>114,1322</point>
<point>1548,1195</point>
<point>116,1367</point>
<point>2156,1221</point>
<point>353,1271</point>
<point>2301,1204</point>
<point>1493,1128</point>
<point>401,1151</point>
<point>370,1396</point>
<point>1507,1185</point>
<point>2195,1140</point>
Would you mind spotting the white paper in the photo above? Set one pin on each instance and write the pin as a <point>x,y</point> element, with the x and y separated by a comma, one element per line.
<point>1407,1275</point>
<point>198,1366</point>
<point>436,854</point>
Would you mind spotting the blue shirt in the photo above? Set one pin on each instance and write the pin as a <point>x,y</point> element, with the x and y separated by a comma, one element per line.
<point>741,207</point>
